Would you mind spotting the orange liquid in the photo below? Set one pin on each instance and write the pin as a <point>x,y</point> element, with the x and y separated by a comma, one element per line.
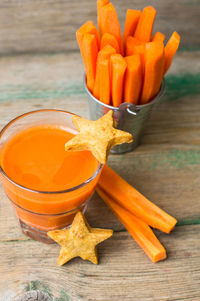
<point>36,159</point>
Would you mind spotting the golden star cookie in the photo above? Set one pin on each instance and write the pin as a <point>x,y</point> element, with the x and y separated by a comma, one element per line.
<point>98,136</point>
<point>79,240</point>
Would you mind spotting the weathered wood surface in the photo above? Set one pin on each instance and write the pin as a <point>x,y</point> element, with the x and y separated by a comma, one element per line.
<point>124,272</point>
<point>33,296</point>
<point>50,26</point>
<point>165,168</point>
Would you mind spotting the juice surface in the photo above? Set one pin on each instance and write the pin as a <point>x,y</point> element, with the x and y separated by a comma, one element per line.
<point>36,158</point>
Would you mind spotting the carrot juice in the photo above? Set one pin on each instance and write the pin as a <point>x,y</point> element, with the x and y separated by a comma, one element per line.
<point>46,184</point>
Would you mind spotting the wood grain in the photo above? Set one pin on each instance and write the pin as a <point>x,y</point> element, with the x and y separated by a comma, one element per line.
<point>33,296</point>
<point>50,26</point>
<point>124,272</point>
<point>165,168</point>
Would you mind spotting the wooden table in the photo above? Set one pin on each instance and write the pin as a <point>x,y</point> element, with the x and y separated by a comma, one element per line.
<point>40,67</point>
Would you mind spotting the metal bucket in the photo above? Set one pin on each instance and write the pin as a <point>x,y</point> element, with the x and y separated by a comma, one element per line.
<point>128,117</point>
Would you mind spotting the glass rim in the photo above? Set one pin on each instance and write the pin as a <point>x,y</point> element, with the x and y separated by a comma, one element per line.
<point>95,174</point>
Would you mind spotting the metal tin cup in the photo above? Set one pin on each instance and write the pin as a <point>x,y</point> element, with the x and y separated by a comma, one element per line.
<point>128,117</point>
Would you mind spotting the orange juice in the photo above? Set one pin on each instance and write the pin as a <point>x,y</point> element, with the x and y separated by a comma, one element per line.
<point>46,184</point>
<point>36,158</point>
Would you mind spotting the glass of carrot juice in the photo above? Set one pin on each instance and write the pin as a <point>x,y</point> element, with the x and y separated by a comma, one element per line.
<point>45,184</point>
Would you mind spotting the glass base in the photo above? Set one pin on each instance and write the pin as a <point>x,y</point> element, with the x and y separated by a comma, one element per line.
<point>41,235</point>
<point>35,233</point>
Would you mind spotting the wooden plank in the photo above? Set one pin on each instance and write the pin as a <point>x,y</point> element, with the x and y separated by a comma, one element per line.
<point>168,176</point>
<point>124,272</point>
<point>164,168</point>
<point>38,78</point>
<point>50,26</point>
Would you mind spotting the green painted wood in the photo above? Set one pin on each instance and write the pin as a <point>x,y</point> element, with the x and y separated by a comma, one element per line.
<point>177,86</point>
<point>49,77</point>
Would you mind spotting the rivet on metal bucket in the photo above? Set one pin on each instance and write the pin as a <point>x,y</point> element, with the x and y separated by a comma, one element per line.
<point>128,117</point>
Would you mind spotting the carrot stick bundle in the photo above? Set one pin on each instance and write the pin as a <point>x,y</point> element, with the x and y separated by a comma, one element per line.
<point>87,27</point>
<point>139,230</point>
<point>170,49</point>
<point>109,39</point>
<point>104,54</point>
<point>118,68</point>
<point>133,201</point>
<point>132,17</point>
<point>110,23</point>
<point>153,70</point>
<point>145,24</point>
<point>158,37</point>
<point>89,51</point>
<point>133,79</point>
<point>137,40</point>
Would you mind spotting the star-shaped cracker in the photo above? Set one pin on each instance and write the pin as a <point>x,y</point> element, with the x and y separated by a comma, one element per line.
<point>97,136</point>
<point>79,240</point>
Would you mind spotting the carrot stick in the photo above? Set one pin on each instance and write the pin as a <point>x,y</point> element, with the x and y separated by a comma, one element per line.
<point>133,79</point>
<point>158,37</point>
<point>104,82</point>
<point>109,39</point>
<point>132,17</point>
<point>133,201</point>
<point>104,54</point>
<point>139,230</point>
<point>100,4</point>
<point>118,68</point>
<point>131,42</point>
<point>134,46</point>
<point>170,49</point>
<point>145,24</point>
<point>110,23</point>
<point>87,27</point>
<point>140,49</point>
<point>129,46</point>
<point>89,52</point>
<point>153,70</point>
